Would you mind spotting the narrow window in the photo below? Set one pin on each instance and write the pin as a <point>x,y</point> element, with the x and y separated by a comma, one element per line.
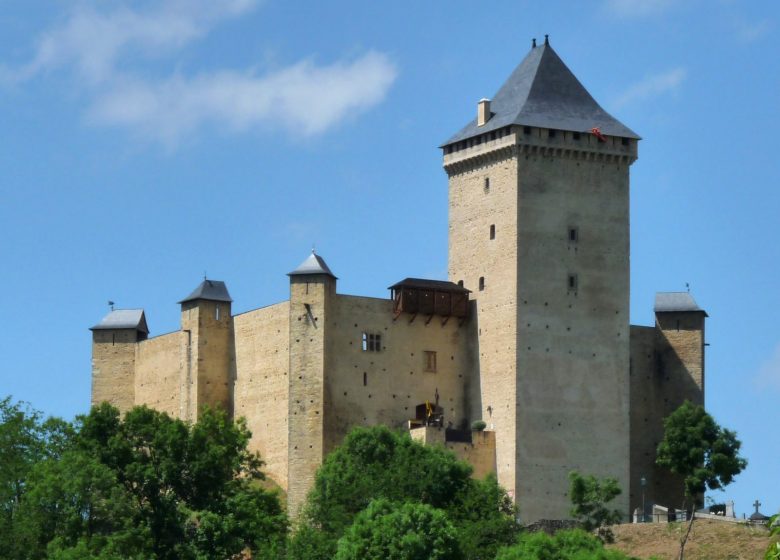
<point>527,130</point>
<point>216,313</point>
<point>551,133</point>
<point>678,325</point>
<point>576,135</point>
<point>113,338</point>
<point>624,141</point>
<point>430,361</point>
<point>365,379</point>
<point>572,282</point>
<point>573,235</point>
<point>487,184</point>
<point>481,283</point>
<point>492,231</point>
<point>372,342</point>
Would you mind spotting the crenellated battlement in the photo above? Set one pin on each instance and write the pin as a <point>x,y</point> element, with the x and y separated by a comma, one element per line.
<point>513,141</point>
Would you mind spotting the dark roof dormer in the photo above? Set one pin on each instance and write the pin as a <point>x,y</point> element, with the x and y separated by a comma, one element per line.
<point>314,264</point>
<point>542,92</point>
<point>210,290</point>
<point>676,302</point>
<point>120,319</point>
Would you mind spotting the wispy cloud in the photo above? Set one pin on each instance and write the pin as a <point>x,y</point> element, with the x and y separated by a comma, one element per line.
<point>105,51</point>
<point>748,31</point>
<point>94,42</point>
<point>651,86</point>
<point>768,376</point>
<point>637,8</point>
<point>305,99</point>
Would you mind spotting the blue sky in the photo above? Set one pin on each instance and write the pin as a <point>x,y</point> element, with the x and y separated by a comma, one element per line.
<point>144,143</point>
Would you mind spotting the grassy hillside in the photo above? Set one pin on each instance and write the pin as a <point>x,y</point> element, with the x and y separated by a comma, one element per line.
<point>710,540</point>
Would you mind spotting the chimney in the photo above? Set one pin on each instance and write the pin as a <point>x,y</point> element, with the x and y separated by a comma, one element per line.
<point>483,111</point>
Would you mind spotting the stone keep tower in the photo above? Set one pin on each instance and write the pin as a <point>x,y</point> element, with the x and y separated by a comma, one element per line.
<point>539,231</point>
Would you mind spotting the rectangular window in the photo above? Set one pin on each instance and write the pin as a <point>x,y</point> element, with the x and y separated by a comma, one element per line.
<point>372,342</point>
<point>430,361</point>
<point>487,184</point>
<point>481,283</point>
<point>216,313</point>
<point>573,235</point>
<point>526,130</point>
<point>492,231</point>
<point>576,135</point>
<point>572,282</point>
<point>551,133</point>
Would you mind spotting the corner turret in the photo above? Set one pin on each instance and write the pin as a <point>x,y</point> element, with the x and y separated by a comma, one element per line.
<point>312,290</point>
<point>680,324</point>
<point>114,341</point>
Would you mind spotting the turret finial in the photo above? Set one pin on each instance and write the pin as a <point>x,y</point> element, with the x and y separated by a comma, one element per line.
<point>546,39</point>
<point>533,43</point>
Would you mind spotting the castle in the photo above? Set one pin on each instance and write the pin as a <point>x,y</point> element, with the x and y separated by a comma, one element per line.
<point>530,334</point>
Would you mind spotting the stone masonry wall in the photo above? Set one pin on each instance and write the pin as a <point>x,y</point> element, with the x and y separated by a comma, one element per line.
<point>158,381</point>
<point>667,368</point>
<point>310,303</point>
<point>483,193</point>
<point>261,381</point>
<point>573,325</point>
<point>366,388</point>
<point>113,367</point>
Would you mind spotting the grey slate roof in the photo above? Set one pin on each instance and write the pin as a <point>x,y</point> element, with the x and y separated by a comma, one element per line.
<point>428,285</point>
<point>675,302</point>
<point>314,264</point>
<point>123,319</point>
<point>542,92</point>
<point>212,290</point>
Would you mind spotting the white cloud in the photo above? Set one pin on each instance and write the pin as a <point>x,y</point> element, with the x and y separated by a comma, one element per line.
<point>305,99</point>
<point>94,41</point>
<point>751,31</point>
<point>637,8</point>
<point>105,49</point>
<point>769,373</point>
<point>652,86</point>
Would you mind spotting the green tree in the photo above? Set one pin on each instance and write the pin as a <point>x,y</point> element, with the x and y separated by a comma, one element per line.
<point>702,452</point>
<point>389,531</point>
<point>377,463</point>
<point>589,497</point>
<point>311,543</point>
<point>195,488</point>
<point>142,486</point>
<point>574,544</point>
<point>773,552</point>
<point>25,440</point>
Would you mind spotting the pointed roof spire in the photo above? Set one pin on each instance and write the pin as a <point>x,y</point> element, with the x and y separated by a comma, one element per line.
<point>211,290</point>
<point>314,264</point>
<point>543,92</point>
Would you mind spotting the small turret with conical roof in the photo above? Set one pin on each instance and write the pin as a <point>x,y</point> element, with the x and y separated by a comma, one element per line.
<point>312,291</point>
<point>207,329</point>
